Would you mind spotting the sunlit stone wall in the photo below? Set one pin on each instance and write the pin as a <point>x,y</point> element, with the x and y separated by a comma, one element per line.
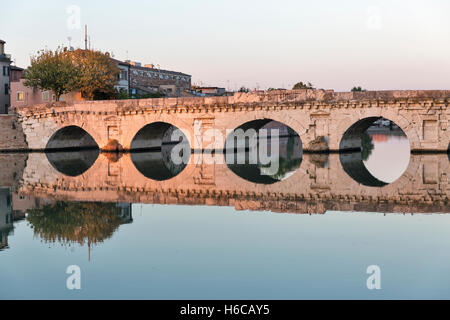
<point>320,117</point>
<point>11,134</point>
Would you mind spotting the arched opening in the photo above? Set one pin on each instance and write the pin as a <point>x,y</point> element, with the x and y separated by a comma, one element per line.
<point>72,151</point>
<point>71,138</point>
<point>375,151</point>
<point>263,151</point>
<point>73,163</point>
<point>160,151</point>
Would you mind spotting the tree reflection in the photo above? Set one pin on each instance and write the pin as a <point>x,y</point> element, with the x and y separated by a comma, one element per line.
<point>77,222</point>
<point>367,146</point>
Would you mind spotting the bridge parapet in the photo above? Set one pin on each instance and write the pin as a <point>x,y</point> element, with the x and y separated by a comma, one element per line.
<point>313,114</point>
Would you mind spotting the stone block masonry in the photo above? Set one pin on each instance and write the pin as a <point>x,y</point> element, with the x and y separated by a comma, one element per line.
<point>325,120</point>
<point>12,137</point>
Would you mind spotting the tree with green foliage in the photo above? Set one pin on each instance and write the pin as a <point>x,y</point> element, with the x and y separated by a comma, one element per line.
<point>122,95</point>
<point>244,89</point>
<point>367,146</point>
<point>98,74</point>
<point>150,95</point>
<point>301,85</point>
<point>91,72</point>
<point>358,89</point>
<point>53,70</point>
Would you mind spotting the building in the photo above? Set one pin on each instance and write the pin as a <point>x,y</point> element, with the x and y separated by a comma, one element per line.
<point>147,79</point>
<point>209,91</point>
<point>5,63</point>
<point>123,79</point>
<point>6,217</point>
<point>22,96</point>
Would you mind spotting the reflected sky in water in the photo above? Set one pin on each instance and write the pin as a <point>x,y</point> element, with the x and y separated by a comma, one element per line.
<point>174,252</point>
<point>390,156</point>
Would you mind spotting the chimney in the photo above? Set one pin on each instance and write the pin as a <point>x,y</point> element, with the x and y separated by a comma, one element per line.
<point>2,47</point>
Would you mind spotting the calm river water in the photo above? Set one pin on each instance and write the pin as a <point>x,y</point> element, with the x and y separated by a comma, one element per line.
<point>310,231</point>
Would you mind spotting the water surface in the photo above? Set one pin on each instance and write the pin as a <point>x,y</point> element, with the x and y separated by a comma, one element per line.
<point>140,229</point>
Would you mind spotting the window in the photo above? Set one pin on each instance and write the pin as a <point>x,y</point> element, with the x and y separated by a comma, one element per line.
<point>46,96</point>
<point>6,89</point>
<point>53,98</point>
<point>124,75</point>
<point>6,71</point>
<point>20,96</point>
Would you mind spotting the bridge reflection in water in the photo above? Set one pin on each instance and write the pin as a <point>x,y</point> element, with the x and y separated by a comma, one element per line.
<point>83,196</point>
<point>313,183</point>
<point>289,161</point>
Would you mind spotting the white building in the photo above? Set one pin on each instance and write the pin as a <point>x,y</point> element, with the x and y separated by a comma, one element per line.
<point>5,62</point>
<point>123,81</point>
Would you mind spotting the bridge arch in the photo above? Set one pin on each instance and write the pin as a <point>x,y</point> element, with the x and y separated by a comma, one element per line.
<point>352,127</point>
<point>259,159</point>
<point>72,150</point>
<point>154,147</point>
<point>356,147</point>
<point>71,137</point>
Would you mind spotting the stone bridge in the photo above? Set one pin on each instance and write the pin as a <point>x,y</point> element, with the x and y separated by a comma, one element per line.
<point>324,120</point>
<point>319,184</point>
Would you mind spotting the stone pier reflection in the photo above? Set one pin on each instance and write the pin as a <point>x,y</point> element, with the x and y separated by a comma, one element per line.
<point>319,184</point>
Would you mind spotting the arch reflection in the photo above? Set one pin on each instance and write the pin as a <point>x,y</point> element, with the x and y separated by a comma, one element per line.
<point>380,152</point>
<point>244,157</point>
<point>73,163</point>
<point>160,151</point>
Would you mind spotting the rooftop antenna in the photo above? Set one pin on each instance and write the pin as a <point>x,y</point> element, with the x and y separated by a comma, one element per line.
<point>85,37</point>
<point>70,41</point>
